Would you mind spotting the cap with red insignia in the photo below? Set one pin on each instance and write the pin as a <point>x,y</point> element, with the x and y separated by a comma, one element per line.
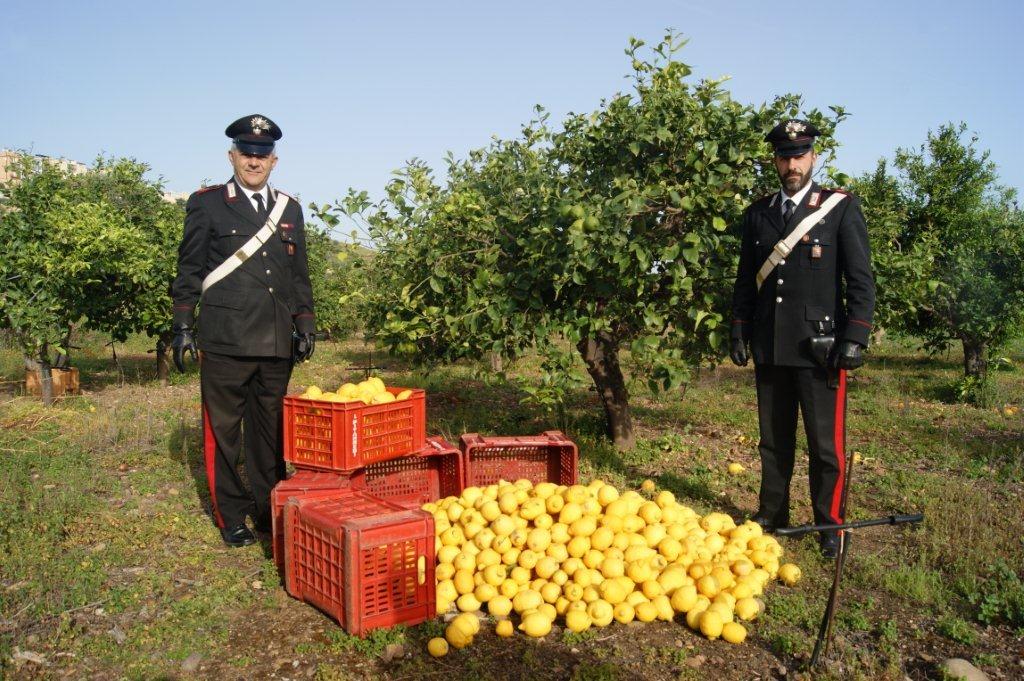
<point>792,137</point>
<point>254,134</point>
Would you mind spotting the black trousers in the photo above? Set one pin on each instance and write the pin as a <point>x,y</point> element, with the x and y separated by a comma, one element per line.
<point>237,391</point>
<point>781,391</point>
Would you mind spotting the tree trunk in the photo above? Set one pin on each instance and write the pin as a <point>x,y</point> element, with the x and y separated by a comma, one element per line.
<point>42,365</point>
<point>496,362</point>
<point>163,361</point>
<point>975,359</point>
<point>601,355</point>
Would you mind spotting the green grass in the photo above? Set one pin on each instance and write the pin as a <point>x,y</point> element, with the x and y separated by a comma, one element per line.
<point>105,536</point>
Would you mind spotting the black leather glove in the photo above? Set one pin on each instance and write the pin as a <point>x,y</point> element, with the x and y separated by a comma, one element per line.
<point>183,342</point>
<point>738,352</point>
<point>305,343</point>
<point>849,355</point>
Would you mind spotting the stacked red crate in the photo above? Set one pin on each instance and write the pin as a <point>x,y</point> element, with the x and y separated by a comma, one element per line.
<point>548,457</point>
<point>366,562</point>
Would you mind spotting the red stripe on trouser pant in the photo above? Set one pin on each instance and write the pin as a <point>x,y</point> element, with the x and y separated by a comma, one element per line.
<point>209,457</point>
<point>838,502</point>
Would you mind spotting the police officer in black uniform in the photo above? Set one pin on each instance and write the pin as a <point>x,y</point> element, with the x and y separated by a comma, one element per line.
<point>242,258</point>
<point>806,315</point>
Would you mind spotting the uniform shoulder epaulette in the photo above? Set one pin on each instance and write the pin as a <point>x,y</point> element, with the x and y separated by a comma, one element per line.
<point>281,191</point>
<point>208,188</point>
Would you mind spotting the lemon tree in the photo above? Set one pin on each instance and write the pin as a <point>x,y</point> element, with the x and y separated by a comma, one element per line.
<point>949,245</point>
<point>608,233</point>
<point>96,248</point>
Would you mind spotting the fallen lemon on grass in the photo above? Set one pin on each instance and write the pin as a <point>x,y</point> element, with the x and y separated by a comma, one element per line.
<point>437,647</point>
<point>592,555</point>
<point>536,624</point>
<point>736,469</point>
<point>789,574</point>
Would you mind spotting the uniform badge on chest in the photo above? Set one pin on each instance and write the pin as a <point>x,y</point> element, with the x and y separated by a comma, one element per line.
<point>286,237</point>
<point>816,251</point>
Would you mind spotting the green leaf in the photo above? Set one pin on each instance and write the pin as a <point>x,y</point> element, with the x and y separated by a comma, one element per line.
<point>718,224</point>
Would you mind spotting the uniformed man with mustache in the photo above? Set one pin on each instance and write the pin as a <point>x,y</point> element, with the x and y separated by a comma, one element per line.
<point>242,259</point>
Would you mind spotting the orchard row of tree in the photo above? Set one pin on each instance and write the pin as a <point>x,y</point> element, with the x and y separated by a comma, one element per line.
<point>97,251</point>
<point>617,230</point>
<point>610,237</point>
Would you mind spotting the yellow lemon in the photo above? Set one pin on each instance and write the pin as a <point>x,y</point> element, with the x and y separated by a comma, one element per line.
<point>528,599</point>
<point>735,468</point>
<point>314,392</point>
<point>789,573</point>
<point>646,611</point>
<point>508,503</point>
<point>613,567</point>
<point>536,625</point>
<point>467,603</point>
<point>538,540</point>
<point>711,624</point>
<point>601,612</point>
<point>624,613</point>
<point>404,395</point>
<point>733,632</point>
<point>504,628</point>
<point>577,620</point>
<point>550,592</point>
<point>664,607</point>
<point>647,486</point>
<point>606,494</point>
<point>437,647</point>
<point>446,591</point>
<point>499,606</point>
<point>457,637</point>
<point>602,537</point>
<point>485,592</point>
<point>747,609</point>
<point>708,586</point>
<point>463,581</point>
<point>612,591</point>
<point>684,598</point>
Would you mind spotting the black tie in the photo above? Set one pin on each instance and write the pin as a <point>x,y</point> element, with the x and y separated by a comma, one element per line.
<point>787,212</point>
<point>261,212</point>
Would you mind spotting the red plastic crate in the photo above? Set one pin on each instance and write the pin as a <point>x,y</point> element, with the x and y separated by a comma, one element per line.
<point>548,457</point>
<point>345,436</point>
<point>365,561</point>
<point>432,473</point>
<point>304,484</point>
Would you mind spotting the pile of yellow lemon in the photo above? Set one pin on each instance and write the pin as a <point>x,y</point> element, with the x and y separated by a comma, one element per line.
<point>370,391</point>
<point>592,555</point>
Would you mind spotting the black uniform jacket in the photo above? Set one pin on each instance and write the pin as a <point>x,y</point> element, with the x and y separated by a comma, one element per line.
<point>252,311</point>
<point>804,294</point>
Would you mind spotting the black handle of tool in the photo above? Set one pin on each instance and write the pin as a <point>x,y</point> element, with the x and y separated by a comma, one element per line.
<point>886,520</point>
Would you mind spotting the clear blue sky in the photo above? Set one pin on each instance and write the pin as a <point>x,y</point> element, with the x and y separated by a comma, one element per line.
<point>358,88</point>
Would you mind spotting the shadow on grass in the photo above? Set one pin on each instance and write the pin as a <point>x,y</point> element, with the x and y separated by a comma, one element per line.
<point>185,447</point>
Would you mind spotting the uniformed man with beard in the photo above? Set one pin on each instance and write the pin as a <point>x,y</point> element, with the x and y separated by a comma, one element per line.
<point>803,300</point>
<point>242,258</point>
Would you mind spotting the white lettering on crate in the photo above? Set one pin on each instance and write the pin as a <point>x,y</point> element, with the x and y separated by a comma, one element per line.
<point>355,434</point>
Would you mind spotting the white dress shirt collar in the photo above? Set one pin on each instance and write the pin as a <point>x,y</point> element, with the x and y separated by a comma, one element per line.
<point>264,192</point>
<point>797,198</point>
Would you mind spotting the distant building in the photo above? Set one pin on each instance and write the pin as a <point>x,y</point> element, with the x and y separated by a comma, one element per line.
<point>9,157</point>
